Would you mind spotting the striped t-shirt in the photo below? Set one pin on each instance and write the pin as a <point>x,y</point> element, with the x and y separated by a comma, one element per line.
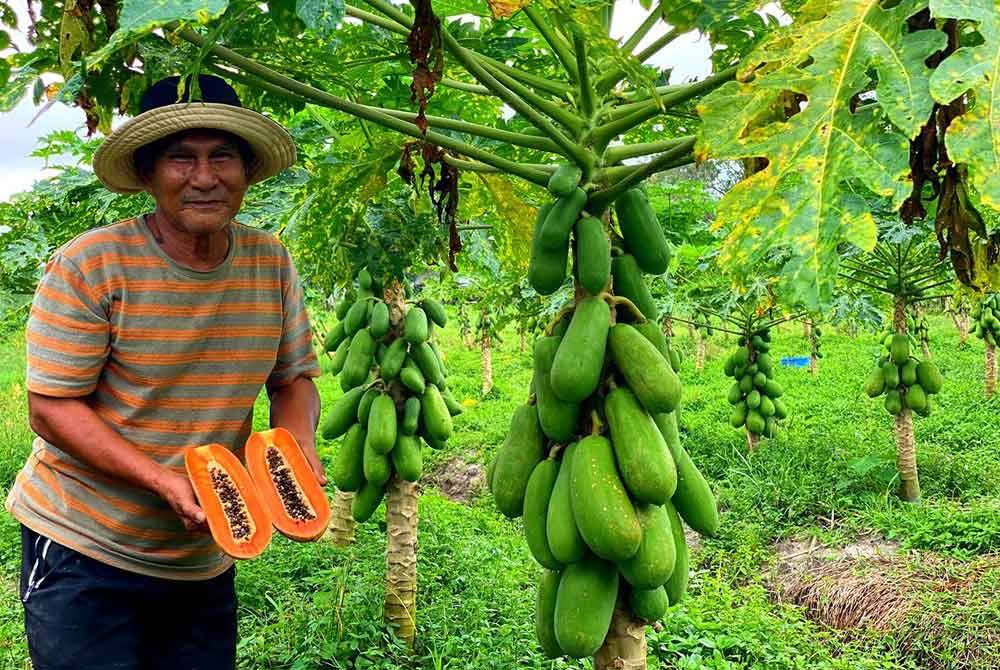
<point>170,357</point>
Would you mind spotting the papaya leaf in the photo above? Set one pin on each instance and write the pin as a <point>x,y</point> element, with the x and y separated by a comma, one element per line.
<point>140,17</point>
<point>974,137</point>
<point>323,16</point>
<point>703,14</point>
<point>823,152</point>
<point>517,218</point>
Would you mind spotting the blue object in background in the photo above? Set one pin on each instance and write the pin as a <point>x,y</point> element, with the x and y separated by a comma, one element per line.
<point>795,361</point>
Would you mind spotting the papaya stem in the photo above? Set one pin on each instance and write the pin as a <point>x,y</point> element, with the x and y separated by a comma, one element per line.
<point>560,315</point>
<point>377,20</point>
<point>588,101</point>
<point>617,300</point>
<point>632,42</point>
<point>620,153</point>
<point>564,117</point>
<point>554,40</point>
<point>662,162</point>
<point>595,423</point>
<point>610,80</point>
<point>465,86</point>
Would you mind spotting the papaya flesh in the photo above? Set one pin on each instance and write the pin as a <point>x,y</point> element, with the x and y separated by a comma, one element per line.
<point>237,518</point>
<point>287,485</point>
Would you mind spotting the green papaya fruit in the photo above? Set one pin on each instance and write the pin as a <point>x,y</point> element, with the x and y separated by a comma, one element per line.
<point>434,414</point>
<point>593,254</point>
<point>411,416</point>
<point>676,586</point>
<point>755,422</point>
<point>753,399</point>
<point>413,379</point>
<point>334,337</point>
<point>407,460</point>
<point>738,417</point>
<point>377,466</point>
<point>875,384</point>
<point>649,604</point>
<point>393,359</point>
<point>520,452</point>
<point>759,379</point>
<point>366,501</point>
<point>356,317</point>
<point>646,466</point>
<point>893,402</point>
<point>536,509</point>
<point>765,364</point>
<point>415,325</point>
<point>780,412</point>
<point>545,613</point>
<point>602,509</point>
<point>766,407</point>
<point>628,283</point>
<point>654,561</point>
<point>585,602</point>
<point>365,406</point>
<point>454,407</point>
<point>649,376</point>
<point>424,357</point>
<point>642,232</point>
<point>564,538</point>
<point>564,180</point>
<point>746,383</point>
<point>382,424</point>
<point>340,357</point>
<point>929,377</point>
<point>900,348</point>
<point>908,373</point>
<point>546,268</point>
<point>693,498</point>
<point>735,395</point>
<point>435,311</point>
<point>652,332</point>
<point>558,417</point>
<point>729,367</point>
<point>348,471</point>
<point>343,307</point>
<point>365,279</point>
<point>379,324</point>
<point>576,368</point>
<point>741,357</point>
<point>359,359</point>
<point>342,415</point>
<point>560,220</point>
<point>891,374</point>
<point>915,398</point>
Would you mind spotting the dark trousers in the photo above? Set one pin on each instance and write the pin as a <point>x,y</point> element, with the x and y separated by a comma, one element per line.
<point>82,614</point>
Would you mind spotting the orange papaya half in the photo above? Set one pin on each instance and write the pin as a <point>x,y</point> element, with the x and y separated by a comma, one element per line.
<point>287,484</point>
<point>237,518</point>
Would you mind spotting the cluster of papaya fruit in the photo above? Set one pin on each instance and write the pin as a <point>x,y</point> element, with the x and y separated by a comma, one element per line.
<point>906,381</point>
<point>985,316</point>
<point>916,324</point>
<point>593,462</point>
<point>647,248</point>
<point>755,395</point>
<point>395,392</point>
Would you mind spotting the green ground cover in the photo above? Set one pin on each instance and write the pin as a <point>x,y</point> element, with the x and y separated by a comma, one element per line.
<point>829,475</point>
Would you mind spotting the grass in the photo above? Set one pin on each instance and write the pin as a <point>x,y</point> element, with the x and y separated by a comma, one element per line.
<point>829,474</point>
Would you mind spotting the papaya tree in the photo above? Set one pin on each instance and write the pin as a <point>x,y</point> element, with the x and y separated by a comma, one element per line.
<point>988,330</point>
<point>907,269</point>
<point>580,105</point>
<point>957,306</point>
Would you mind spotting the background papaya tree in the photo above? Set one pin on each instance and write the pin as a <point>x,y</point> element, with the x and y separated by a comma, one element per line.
<point>906,267</point>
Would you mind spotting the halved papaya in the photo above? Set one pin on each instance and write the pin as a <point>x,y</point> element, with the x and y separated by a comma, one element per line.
<point>237,518</point>
<point>287,485</point>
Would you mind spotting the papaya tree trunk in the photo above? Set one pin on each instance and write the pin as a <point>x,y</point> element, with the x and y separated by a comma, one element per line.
<point>906,448</point>
<point>467,339</point>
<point>692,333</point>
<point>401,558</point>
<point>925,349</point>
<point>805,329</point>
<point>752,441</point>
<point>699,354</point>
<point>399,608</point>
<point>962,324</point>
<point>484,348</point>
<point>520,342</point>
<point>341,530</point>
<point>813,360</point>
<point>668,327</point>
<point>990,368</point>
<point>625,646</point>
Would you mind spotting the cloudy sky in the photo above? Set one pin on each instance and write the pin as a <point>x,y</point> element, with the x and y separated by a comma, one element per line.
<point>688,56</point>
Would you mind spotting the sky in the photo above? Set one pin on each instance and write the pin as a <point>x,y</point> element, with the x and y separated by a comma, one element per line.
<point>688,56</point>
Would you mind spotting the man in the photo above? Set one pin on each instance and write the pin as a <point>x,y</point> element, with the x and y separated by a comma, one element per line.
<point>146,337</point>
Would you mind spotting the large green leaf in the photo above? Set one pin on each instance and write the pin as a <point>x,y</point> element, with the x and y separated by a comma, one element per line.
<point>139,17</point>
<point>704,14</point>
<point>806,196</point>
<point>974,137</point>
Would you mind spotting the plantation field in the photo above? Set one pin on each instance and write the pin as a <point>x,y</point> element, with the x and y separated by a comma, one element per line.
<point>810,515</point>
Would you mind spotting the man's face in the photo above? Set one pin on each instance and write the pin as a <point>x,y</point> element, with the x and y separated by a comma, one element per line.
<point>198,182</point>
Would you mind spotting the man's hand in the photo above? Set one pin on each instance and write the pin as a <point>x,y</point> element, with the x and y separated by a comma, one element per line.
<point>177,491</point>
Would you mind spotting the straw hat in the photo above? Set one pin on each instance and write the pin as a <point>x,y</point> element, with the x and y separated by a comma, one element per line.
<point>162,115</point>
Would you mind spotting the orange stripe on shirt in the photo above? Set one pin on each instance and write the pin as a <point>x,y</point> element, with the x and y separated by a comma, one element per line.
<point>58,369</point>
<point>265,261</point>
<point>66,323</point>
<point>74,251</point>
<point>73,280</point>
<point>157,309</point>
<point>128,506</point>
<point>65,345</point>
<point>294,344</point>
<point>118,260</point>
<point>185,378</point>
<point>207,286</point>
<point>198,334</point>
<point>173,427</point>
<point>186,358</point>
<point>224,402</point>
<point>62,298</point>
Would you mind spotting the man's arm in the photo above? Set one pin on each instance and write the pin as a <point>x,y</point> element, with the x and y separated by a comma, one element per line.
<point>71,425</point>
<point>295,407</point>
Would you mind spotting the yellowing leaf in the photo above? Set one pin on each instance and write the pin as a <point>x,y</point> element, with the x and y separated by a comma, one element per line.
<point>504,9</point>
<point>518,219</point>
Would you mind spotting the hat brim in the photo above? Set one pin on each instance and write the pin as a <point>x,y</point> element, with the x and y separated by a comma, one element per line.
<point>273,147</point>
